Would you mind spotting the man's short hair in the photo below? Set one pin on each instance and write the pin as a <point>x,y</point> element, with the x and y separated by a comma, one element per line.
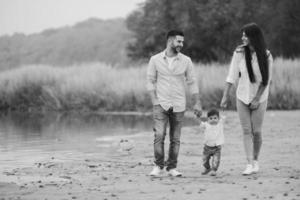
<point>173,33</point>
<point>213,112</point>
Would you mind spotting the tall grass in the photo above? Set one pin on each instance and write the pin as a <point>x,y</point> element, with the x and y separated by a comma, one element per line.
<point>102,87</point>
<point>285,89</point>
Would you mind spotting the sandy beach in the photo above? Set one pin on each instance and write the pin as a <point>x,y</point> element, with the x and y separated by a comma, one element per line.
<point>118,168</point>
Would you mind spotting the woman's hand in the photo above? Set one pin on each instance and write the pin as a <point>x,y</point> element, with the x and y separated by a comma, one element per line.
<point>224,102</point>
<point>254,104</point>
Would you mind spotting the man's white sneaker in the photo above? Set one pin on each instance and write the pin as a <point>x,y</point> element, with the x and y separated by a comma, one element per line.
<point>255,167</point>
<point>248,170</point>
<point>155,171</point>
<point>174,172</point>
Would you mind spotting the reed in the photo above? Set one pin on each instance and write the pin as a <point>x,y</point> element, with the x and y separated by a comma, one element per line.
<point>97,86</point>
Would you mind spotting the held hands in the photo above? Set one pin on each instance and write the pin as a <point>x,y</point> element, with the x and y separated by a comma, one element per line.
<point>197,110</point>
<point>198,113</point>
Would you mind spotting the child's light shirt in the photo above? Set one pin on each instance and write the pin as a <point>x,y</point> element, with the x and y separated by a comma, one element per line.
<point>213,134</point>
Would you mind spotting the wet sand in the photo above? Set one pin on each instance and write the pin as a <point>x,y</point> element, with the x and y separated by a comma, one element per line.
<point>118,168</point>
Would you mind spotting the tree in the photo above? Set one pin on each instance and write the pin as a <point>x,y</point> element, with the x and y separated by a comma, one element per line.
<point>287,29</point>
<point>212,28</point>
<point>93,40</point>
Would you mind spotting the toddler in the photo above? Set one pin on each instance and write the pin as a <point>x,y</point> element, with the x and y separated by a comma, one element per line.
<point>213,139</point>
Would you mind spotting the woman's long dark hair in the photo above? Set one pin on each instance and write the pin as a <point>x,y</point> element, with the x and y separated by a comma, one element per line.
<point>256,39</point>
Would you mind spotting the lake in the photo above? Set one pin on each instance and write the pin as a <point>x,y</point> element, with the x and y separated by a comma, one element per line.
<point>24,137</point>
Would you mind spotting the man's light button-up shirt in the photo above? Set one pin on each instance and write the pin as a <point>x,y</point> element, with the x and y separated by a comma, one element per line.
<point>168,84</point>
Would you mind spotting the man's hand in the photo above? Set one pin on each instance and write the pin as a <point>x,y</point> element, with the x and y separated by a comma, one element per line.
<point>154,98</point>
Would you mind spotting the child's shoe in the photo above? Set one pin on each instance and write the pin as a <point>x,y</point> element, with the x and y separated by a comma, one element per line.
<point>248,170</point>
<point>206,171</point>
<point>213,173</point>
<point>255,166</point>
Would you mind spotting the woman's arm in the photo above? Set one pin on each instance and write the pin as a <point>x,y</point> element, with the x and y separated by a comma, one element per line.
<point>232,76</point>
<point>255,102</point>
<point>225,97</point>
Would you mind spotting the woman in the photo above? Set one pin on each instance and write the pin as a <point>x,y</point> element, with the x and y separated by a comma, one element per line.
<point>251,65</point>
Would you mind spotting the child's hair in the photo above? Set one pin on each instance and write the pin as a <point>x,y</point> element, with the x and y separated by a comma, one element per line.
<point>213,112</point>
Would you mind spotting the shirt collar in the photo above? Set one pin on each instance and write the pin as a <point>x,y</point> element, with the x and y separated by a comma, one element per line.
<point>164,56</point>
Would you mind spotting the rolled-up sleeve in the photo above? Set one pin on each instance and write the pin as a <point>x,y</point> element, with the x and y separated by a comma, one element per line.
<point>233,73</point>
<point>191,79</point>
<point>151,75</point>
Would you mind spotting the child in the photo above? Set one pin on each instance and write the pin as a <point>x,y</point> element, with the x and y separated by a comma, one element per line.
<point>213,139</point>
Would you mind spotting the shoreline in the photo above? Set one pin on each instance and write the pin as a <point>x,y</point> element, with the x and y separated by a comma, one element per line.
<point>112,172</point>
<point>188,112</point>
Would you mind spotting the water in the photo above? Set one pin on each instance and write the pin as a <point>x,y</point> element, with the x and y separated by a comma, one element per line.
<point>24,137</point>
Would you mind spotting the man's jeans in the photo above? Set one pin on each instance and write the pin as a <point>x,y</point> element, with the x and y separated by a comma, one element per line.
<point>215,154</point>
<point>161,118</point>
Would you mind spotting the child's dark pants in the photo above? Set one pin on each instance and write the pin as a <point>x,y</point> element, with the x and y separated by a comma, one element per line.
<point>215,154</point>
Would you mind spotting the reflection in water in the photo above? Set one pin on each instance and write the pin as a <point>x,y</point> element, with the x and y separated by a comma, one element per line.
<point>67,131</point>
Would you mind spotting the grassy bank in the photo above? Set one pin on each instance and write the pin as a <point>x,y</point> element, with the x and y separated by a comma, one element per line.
<point>102,87</point>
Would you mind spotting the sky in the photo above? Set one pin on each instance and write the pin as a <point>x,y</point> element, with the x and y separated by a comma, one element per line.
<point>33,16</point>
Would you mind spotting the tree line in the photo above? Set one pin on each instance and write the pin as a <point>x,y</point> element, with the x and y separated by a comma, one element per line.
<point>212,27</point>
<point>93,40</point>
<point>212,30</point>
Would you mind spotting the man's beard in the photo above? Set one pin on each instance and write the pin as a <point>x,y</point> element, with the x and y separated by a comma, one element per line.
<point>176,49</point>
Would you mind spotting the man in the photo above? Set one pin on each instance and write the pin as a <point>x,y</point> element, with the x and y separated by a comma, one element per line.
<point>167,74</point>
